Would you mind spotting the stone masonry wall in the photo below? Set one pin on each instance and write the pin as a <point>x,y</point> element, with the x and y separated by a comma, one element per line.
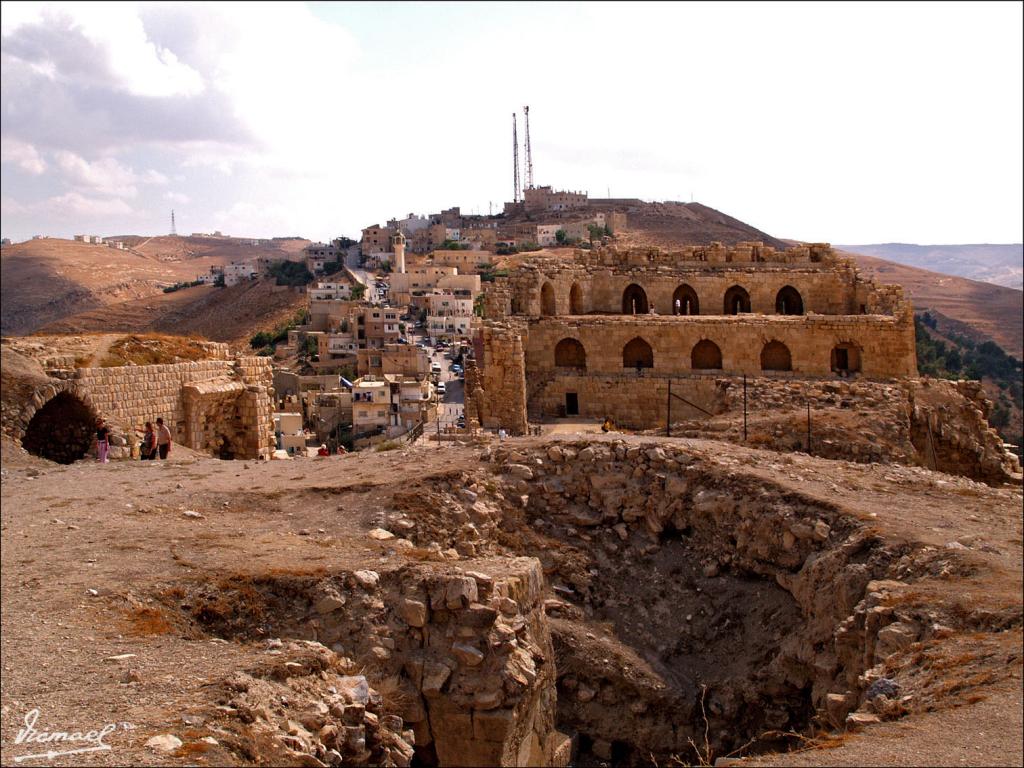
<point>886,344</point>
<point>199,401</point>
<point>502,404</point>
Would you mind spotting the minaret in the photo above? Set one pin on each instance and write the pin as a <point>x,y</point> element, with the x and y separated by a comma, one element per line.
<point>398,245</point>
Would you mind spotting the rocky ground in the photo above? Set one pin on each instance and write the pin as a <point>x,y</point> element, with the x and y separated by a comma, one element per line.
<point>686,599</point>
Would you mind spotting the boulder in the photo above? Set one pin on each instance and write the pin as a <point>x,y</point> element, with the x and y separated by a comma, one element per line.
<point>413,612</point>
<point>461,592</point>
<point>467,654</point>
<point>367,579</point>
<point>165,742</point>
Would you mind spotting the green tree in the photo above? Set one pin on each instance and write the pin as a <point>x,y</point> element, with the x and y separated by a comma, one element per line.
<point>560,236</point>
<point>358,291</point>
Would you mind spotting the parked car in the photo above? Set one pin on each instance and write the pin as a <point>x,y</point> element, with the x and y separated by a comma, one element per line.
<point>435,367</point>
<point>441,388</point>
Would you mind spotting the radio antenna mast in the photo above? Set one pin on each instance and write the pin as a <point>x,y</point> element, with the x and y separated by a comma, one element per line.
<point>529,157</point>
<point>515,159</point>
<point>174,231</point>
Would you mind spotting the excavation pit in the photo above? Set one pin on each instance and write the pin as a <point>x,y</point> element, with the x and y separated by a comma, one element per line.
<point>621,603</point>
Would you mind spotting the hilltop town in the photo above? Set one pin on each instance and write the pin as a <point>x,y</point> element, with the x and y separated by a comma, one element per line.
<point>419,479</point>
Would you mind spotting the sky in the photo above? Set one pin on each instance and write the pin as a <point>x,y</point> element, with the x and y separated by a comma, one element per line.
<point>834,122</point>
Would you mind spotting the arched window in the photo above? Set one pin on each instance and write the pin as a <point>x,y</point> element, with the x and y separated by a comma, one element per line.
<point>569,353</point>
<point>737,300</point>
<point>634,300</point>
<point>775,357</point>
<point>684,301</point>
<point>575,300</point>
<point>845,358</point>
<point>637,354</point>
<point>788,302</point>
<point>547,299</point>
<point>706,356</point>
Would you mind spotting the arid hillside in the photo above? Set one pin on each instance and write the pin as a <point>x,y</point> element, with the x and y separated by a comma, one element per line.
<point>230,315</point>
<point>49,279</point>
<point>671,224</point>
<point>998,264</point>
<point>992,310</point>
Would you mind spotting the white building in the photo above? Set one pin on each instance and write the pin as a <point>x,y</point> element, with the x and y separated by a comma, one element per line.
<point>330,291</point>
<point>237,271</point>
<point>449,315</point>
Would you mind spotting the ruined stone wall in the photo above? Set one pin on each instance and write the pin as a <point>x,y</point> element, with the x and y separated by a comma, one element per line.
<point>201,402</point>
<point>502,403</point>
<point>886,345</point>
<point>827,285</point>
<point>631,401</point>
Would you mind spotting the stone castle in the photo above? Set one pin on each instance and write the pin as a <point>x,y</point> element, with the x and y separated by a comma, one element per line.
<point>604,333</point>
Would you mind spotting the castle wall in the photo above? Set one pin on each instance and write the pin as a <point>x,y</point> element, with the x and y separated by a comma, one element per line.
<point>886,344</point>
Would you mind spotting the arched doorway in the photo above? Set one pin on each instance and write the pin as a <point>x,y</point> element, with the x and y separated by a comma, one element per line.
<point>775,357</point>
<point>637,354</point>
<point>63,430</point>
<point>706,356</point>
<point>684,301</point>
<point>569,353</point>
<point>845,358</point>
<point>789,302</point>
<point>575,300</point>
<point>737,300</point>
<point>634,300</point>
<point>547,299</point>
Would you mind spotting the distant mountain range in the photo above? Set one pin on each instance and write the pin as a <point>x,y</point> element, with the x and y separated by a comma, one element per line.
<point>996,264</point>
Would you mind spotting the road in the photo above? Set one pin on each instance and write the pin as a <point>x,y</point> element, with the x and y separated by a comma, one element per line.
<point>454,396</point>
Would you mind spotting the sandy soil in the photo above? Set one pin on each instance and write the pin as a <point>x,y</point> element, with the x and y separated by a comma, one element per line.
<point>84,546</point>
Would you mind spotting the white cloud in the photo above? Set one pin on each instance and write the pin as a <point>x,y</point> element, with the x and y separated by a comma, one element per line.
<point>23,155</point>
<point>73,203</point>
<point>154,177</point>
<point>136,63</point>
<point>177,197</point>
<point>105,176</point>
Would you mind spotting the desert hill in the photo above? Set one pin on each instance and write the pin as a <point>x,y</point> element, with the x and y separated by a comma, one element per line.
<point>669,224</point>
<point>992,310</point>
<point>230,315</point>
<point>49,279</point>
<point>997,264</point>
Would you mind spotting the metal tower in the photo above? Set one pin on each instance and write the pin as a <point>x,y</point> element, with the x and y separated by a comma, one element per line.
<point>529,157</point>
<point>174,231</point>
<point>515,159</point>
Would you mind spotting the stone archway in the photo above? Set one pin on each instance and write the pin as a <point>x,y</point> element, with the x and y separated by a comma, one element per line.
<point>61,430</point>
<point>789,302</point>
<point>776,357</point>
<point>737,300</point>
<point>575,300</point>
<point>547,299</point>
<point>634,300</point>
<point>706,356</point>
<point>684,301</point>
<point>845,358</point>
<point>637,354</point>
<point>569,353</point>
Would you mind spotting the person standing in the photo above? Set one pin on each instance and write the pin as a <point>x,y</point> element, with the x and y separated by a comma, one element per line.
<point>163,438</point>
<point>148,449</point>
<point>102,441</point>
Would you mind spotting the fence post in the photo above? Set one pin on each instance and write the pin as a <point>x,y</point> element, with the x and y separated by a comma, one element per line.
<point>744,407</point>
<point>668,420</point>
<point>808,424</point>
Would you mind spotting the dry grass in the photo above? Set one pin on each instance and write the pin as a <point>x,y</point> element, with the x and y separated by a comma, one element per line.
<point>150,621</point>
<point>154,349</point>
